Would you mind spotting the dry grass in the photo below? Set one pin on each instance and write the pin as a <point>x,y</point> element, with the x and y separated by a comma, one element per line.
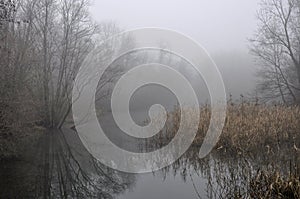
<point>259,149</point>
<point>273,185</point>
<point>252,131</point>
<point>248,127</point>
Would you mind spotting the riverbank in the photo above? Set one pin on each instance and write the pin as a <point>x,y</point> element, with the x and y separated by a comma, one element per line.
<point>248,127</point>
<point>258,152</point>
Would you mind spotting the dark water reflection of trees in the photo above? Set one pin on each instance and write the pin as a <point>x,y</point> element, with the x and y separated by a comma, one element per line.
<point>58,166</point>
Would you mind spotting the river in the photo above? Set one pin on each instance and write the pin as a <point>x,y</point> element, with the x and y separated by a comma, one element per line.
<point>58,166</point>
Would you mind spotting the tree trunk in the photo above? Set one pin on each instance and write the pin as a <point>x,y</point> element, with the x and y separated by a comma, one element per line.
<point>298,91</point>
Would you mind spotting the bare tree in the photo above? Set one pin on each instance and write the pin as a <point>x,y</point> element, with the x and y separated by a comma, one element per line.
<point>17,57</point>
<point>43,43</point>
<point>65,31</point>
<point>277,45</point>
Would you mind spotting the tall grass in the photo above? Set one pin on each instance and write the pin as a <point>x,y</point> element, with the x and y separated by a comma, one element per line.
<point>263,136</point>
<point>274,185</point>
<point>248,127</point>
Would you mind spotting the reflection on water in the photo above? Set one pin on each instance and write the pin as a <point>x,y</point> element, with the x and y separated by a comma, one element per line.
<point>58,166</point>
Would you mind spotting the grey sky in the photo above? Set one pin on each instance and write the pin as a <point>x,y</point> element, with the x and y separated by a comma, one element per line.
<point>219,25</point>
<point>222,27</point>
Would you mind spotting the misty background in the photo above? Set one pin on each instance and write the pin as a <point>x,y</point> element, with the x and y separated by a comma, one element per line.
<point>221,27</point>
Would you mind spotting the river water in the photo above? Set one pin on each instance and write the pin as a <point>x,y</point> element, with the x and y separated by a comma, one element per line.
<point>58,166</point>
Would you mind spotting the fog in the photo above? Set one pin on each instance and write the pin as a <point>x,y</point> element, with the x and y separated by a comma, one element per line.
<point>115,99</point>
<point>217,25</point>
<point>221,27</point>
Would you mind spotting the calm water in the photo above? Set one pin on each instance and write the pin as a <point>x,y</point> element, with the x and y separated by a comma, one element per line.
<point>58,166</point>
